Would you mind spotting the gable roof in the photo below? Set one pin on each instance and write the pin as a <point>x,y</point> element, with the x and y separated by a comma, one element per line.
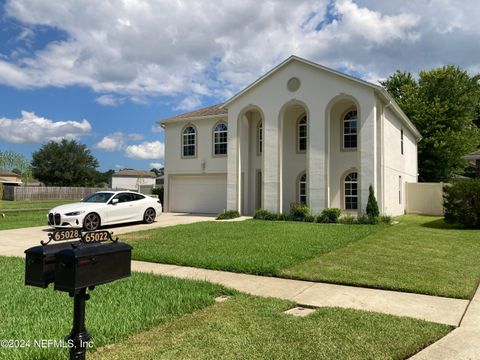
<point>134,173</point>
<point>8,173</point>
<point>221,110</point>
<point>213,111</point>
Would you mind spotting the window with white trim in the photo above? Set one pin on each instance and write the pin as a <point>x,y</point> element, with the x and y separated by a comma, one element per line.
<point>189,141</point>
<point>351,191</point>
<point>302,189</point>
<point>302,134</point>
<point>259,137</point>
<point>220,135</point>
<point>350,130</point>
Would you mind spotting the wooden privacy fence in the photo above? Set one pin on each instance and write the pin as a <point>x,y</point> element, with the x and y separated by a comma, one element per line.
<point>47,192</point>
<point>425,198</point>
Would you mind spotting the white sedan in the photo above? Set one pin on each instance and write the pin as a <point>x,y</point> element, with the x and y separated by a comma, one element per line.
<point>105,208</point>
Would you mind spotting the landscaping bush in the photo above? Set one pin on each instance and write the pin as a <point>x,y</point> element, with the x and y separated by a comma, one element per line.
<point>309,218</point>
<point>299,211</point>
<point>348,220</point>
<point>158,191</point>
<point>230,214</point>
<point>372,206</point>
<point>367,220</point>
<point>261,214</point>
<point>329,216</point>
<point>284,217</point>
<point>461,201</point>
<point>386,219</point>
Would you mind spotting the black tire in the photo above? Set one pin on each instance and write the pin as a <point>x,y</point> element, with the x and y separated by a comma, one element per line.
<point>91,222</point>
<point>149,216</point>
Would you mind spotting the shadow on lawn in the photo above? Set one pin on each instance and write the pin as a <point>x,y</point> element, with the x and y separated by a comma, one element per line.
<point>441,224</point>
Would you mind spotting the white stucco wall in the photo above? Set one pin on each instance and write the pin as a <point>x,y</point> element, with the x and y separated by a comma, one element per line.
<point>396,164</point>
<point>317,89</point>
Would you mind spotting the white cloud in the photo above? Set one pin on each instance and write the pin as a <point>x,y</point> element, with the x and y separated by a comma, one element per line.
<point>156,129</point>
<point>156,165</point>
<point>136,50</point>
<point>110,100</point>
<point>146,150</point>
<point>30,128</point>
<point>117,141</point>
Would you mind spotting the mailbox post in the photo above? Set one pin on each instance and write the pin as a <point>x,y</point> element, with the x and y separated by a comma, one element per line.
<point>95,259</point>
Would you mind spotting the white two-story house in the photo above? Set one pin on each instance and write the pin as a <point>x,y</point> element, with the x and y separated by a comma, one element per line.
<point>300,133</point>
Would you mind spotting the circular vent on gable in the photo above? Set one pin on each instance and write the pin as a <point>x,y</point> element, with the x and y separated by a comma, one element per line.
<point>293,84</point>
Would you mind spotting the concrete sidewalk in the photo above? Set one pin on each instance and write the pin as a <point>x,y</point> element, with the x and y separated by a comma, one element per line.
<point>430,308</point>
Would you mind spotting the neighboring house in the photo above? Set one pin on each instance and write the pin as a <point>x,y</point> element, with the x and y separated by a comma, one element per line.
<point>137,180</point>
<point>300,133</point>
<point>10,178</point>
<point>474,157</point>
<point>160,181</point>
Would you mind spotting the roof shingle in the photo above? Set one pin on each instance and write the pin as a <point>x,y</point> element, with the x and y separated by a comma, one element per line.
<point>213,110</point>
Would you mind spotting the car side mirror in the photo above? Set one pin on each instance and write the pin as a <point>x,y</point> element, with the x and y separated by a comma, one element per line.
<point>114,201</point>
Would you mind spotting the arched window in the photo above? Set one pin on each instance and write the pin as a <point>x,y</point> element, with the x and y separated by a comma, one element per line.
<point>350,130</point>
<point>189,141</point>
<point>259,137</point>
<point>302,134</point>
<point>220,135</point>
<point>351,191</point>
<point>302,188</point>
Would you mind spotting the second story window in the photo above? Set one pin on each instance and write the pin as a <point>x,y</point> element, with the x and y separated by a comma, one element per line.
<point>350,130</point>
<point>259,137</point>
<point>189,142</point>
<point>220,135</point>
<point>401,141</point>
<point>302,134</point>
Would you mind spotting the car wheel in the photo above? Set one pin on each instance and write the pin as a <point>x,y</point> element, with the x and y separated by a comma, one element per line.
<point>149,216</point>
<point>91,222</point>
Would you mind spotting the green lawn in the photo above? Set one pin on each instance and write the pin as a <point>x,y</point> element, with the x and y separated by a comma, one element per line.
<point>114,311</point>
<point>20,214</point>
<point>254,246</point>
<point>256,328</point>
<point>152,317</point>
<point>420,254</point>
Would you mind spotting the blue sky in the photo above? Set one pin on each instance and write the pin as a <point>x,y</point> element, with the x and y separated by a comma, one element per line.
<point>104,72</point>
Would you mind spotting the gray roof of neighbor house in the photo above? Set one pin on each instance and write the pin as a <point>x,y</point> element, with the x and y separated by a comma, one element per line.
<point>8,173</point>
<point>473,156</point>
<point>211,111</point>
<point>134,173</point>
<point>216,110</point>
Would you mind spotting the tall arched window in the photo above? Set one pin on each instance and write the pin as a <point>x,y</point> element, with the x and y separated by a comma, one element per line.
<point>259,137</point>
<point>302,188</point>
<point>189,141</point>
<point>350,130</point>
<point>220,135</point>
<point>351,191</point>
<point>302,134</point>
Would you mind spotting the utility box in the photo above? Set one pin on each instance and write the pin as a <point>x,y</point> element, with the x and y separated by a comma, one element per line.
<point>40,263</point>
<point>93,264</point>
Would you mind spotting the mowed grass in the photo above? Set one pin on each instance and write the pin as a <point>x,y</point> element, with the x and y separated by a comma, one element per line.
<point>252,246</point>
<point>21,214</point>
<point>248,328</point>
<point>421,254</point>
<point>114,312</point>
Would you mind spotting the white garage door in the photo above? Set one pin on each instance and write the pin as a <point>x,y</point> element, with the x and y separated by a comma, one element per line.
<point>200,194</point>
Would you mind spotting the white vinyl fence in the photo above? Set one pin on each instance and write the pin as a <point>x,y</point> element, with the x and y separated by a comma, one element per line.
<point>425,198</point>
<point>16,193</point>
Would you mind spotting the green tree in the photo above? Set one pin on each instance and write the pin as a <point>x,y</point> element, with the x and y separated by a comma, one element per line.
<point>65,163</point>
<point>372,205</point>
<point>444,105</point>
<point>17,163</point>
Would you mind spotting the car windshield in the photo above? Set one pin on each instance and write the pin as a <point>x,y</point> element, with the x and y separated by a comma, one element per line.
<point>101,197</point>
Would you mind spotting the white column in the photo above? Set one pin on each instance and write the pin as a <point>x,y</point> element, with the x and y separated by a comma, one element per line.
<point>367,150</point>
<point>233,164</point>
<point>271,164</point>
<point>316,158</point>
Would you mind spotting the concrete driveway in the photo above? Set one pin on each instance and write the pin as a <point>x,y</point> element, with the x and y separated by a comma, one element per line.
<point>14,242</point>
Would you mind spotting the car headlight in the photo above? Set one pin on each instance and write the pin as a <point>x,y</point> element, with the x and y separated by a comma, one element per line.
<point>75,213</point>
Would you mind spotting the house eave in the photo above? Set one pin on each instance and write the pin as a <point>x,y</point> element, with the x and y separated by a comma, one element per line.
<point>191,118</point>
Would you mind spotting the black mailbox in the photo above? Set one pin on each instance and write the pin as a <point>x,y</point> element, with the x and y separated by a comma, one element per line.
<point>91,264</point>
<point>40,263</point>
